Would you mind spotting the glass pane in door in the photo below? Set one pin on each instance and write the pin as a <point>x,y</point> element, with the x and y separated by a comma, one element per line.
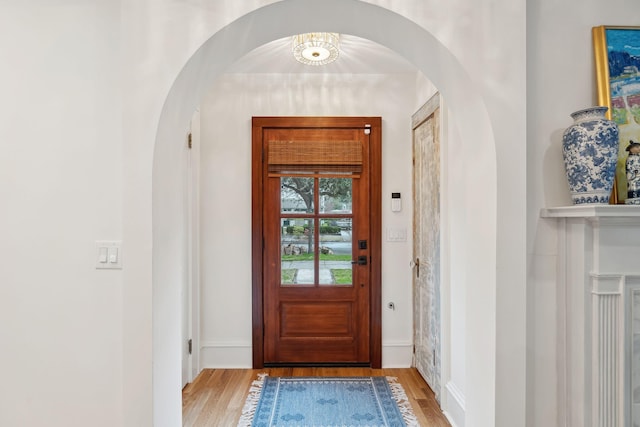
<point>335,252</point>
<point>296,194</point>
<point>297,264</point>
<point>335,195</point>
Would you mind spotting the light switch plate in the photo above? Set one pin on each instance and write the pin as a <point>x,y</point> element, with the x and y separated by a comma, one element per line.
<point>396,234</point>
<point>113,250</point>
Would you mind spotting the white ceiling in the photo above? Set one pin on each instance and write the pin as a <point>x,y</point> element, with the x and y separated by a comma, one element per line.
<point>357,56</point>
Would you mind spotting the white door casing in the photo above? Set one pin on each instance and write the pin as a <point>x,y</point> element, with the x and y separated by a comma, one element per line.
<point>190,295</point>
<point>185,291</point>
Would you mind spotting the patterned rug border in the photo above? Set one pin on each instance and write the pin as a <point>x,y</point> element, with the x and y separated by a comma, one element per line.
<point>399,395</point>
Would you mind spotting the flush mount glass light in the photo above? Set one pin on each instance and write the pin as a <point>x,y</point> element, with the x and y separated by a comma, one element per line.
<point>316,48</point>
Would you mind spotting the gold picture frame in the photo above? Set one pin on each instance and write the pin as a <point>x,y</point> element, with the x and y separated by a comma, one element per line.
<point>617,60</point>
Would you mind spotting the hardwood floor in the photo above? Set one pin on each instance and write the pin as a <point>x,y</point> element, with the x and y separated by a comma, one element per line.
<point>216,396</point>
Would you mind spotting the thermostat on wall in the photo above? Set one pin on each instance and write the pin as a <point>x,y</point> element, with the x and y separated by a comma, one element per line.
<point>396,202</point>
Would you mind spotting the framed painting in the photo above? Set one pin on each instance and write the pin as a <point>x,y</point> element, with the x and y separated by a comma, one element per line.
<point>617,60</point>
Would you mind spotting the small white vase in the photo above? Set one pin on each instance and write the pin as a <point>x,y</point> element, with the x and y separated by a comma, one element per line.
<point>590,152</point>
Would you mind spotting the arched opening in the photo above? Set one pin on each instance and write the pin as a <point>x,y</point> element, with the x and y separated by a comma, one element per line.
<point>343,16</point>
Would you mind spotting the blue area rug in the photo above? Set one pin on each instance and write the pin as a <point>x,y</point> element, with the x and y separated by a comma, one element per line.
<point>327,402</point>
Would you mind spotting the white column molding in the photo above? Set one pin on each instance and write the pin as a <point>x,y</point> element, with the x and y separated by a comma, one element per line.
<point>631,297</point>
<point>607,284</point>
<point>607,340</point>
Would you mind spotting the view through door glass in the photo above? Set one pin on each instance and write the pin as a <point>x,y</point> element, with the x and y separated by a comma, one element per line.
<point>316,238</point>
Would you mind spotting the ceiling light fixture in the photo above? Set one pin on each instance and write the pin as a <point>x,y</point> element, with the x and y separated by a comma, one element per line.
<point>316,48</point>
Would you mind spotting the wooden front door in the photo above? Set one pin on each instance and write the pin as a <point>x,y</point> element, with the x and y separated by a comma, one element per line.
<point>316,230</point>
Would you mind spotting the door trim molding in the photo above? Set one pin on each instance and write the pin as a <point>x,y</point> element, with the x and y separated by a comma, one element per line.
<point>257,227</point>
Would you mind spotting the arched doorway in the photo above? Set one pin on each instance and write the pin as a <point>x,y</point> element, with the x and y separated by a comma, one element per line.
<point>262,26</point>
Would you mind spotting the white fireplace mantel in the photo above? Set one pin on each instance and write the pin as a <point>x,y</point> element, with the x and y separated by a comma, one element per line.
<point>593,212</point>
<point>598,297</point>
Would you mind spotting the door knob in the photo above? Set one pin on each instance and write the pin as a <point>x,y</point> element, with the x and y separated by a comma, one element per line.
<point>362,260</point>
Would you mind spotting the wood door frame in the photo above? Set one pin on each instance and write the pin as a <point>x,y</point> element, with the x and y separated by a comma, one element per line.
<point>257,227</point>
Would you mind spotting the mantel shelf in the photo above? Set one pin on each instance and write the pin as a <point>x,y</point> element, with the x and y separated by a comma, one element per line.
<point>592,212</point>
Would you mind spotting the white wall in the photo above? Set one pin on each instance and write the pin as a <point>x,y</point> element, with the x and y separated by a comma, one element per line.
<point>226,196</point>
<point>561,80</point>
<point>60,190</point>
<point>92,114</point>
<point>79,340</point>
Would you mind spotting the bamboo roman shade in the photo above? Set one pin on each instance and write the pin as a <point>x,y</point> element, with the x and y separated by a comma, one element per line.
<point>314,156</point>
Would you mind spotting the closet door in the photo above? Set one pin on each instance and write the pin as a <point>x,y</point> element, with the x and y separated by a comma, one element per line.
<point>426,243</point>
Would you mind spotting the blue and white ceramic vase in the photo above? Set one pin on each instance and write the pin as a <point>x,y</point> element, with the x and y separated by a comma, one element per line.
<point>590,152</point>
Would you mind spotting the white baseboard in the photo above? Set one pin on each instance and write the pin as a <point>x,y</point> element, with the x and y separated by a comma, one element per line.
<point>226,355</point>
<point>453,407</point>
<point>238,355</point>
<point>397,354</point>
